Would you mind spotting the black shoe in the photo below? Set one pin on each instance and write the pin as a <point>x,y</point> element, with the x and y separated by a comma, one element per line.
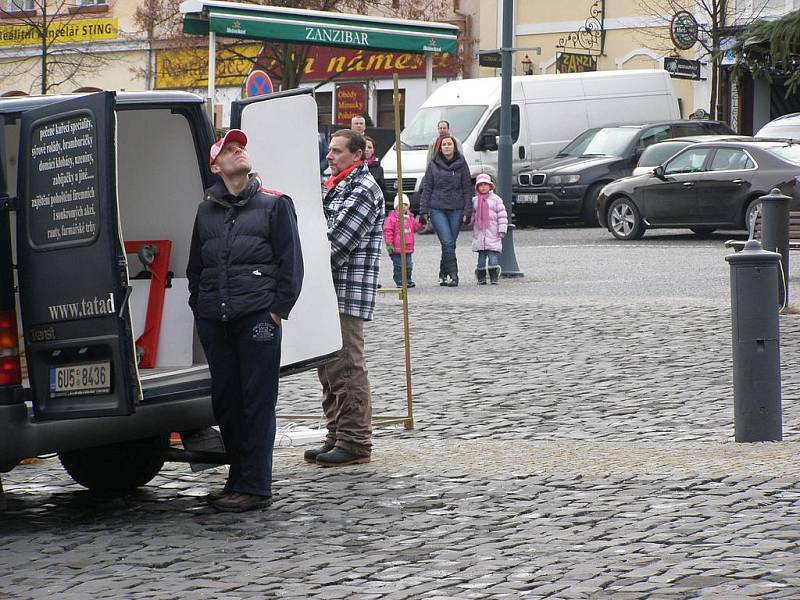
<point>411,284</point>
<point>237,502</point>
<point>311,455</point>
<point>340,458</point>
<point>453,282</point>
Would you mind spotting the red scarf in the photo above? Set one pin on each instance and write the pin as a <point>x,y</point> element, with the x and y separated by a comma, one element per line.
<point>332,181</point>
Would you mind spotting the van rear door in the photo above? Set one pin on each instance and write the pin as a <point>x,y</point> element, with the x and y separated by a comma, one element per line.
<point>282,142</point>
<point>72,269</point>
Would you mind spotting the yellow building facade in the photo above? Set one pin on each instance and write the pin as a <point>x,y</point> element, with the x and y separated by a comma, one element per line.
<point>594,35</point>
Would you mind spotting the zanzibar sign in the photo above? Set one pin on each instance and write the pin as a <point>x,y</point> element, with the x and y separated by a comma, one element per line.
<point>567,62</point>
<point>683,29</point>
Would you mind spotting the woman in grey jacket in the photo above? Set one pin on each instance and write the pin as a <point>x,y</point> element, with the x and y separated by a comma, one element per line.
<point>447,198</point>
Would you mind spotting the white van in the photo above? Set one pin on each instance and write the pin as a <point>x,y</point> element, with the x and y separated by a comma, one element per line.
<point>113,365</point>
<point>547,112</point>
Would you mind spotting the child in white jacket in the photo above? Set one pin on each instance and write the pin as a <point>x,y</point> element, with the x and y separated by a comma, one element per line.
<point>489,227</point>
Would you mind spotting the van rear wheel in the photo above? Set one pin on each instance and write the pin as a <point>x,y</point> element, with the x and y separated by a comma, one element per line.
<point>116,468</point>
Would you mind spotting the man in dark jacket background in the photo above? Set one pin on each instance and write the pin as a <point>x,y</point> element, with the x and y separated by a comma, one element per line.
<point>245,274</point>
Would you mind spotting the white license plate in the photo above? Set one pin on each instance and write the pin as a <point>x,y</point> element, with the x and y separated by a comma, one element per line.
<point>75,380</point>
<point>527,198</point>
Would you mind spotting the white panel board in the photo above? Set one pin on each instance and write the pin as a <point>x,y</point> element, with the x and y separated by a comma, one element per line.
<point>282,143</point>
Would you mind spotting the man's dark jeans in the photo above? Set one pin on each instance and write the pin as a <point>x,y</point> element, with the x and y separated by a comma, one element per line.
<point>244,359</point>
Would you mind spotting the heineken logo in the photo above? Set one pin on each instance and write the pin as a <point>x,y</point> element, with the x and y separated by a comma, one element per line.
<point>432,46</point>
<point>683,30</point>
<point>236,28</point>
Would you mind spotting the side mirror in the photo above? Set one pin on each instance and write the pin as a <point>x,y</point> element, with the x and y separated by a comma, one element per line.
<point>488,140</point>
<point>659,172</point>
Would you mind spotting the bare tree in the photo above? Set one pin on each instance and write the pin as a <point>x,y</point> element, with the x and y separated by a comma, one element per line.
<point>715,20</point>
<point>42,24</point>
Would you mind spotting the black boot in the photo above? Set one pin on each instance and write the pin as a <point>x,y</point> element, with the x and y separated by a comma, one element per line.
<point>481,275</point>
<point>442,272</point>
<point>494,275</point>
<point>451,266</point>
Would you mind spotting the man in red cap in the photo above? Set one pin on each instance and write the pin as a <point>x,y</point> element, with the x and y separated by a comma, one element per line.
<point>245,274</point>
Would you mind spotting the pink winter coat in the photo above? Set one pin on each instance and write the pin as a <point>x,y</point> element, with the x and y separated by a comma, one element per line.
<point>488,238</point>
<point>391,231</point>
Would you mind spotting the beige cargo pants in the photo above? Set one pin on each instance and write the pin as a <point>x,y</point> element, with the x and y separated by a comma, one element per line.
<point>346,396</point>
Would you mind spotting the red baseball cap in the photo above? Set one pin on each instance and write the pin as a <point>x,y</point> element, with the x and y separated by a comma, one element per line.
<point>233,135</point>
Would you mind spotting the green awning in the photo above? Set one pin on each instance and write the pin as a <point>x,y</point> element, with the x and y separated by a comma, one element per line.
<point>252,21</point>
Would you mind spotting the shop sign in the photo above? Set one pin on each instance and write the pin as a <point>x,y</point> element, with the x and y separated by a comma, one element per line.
<point>324,62</point>
<point>79,30</point>
<point>351,100</point>
<point>682,68</point>
<point>683,30</point>
<point>567,62</point>
<point>188,68</point>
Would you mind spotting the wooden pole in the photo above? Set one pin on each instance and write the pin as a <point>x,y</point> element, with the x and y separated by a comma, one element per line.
<point>409,422</point>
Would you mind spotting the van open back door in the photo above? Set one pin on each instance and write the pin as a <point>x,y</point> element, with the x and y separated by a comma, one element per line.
<point>72,272</point>
<point>283,144</point>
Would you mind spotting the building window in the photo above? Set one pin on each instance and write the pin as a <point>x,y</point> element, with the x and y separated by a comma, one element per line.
<point>324,108</point>
<point>386,109</point>
<point>19,5</point>
<point>90,2</point>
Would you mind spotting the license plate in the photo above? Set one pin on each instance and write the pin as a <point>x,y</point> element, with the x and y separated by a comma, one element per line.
<point>83,379</point>
<point>527,198</point>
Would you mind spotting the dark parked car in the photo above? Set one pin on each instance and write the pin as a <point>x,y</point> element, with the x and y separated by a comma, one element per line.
<point>706,186</point>
<point>569,184</point>
<point>658,153</point>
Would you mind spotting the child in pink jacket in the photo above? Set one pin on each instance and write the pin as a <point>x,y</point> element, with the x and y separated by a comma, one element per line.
<point>489,226</point>
<point>391,235</point>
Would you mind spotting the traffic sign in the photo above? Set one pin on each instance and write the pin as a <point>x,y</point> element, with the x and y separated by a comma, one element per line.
<point>257,83</point>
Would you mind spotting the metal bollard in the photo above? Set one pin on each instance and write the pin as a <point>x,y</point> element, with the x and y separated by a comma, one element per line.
<point>756,345</point>
<point>775,235</point>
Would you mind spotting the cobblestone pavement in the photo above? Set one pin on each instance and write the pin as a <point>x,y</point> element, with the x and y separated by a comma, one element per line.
<point>573,439</point>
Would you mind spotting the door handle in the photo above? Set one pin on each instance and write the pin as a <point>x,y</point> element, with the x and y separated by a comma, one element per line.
<point>738,181</point>
<point>688,184</point>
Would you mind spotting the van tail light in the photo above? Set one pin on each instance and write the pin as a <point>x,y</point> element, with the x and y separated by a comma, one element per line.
<point>9,349</point>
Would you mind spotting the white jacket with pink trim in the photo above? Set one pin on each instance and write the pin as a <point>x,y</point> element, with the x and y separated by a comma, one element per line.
<point>488,237</point>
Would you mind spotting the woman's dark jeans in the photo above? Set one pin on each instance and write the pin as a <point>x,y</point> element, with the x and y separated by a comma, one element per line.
<point>447,224</point>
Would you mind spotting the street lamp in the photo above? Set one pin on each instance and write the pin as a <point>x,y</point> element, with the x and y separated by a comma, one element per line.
<point>527,66</point>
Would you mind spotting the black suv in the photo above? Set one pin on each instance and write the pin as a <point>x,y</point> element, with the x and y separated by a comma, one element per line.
<point>568,184</point>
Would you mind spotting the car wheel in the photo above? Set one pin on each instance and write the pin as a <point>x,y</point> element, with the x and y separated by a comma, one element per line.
<point>589,210</point>
<point>750,214</point>
<point>624,220</point>
<point>702,230</point>
<point>116,468</point>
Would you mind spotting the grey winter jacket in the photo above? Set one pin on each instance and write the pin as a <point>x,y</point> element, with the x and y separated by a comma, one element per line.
<point>446,186</point>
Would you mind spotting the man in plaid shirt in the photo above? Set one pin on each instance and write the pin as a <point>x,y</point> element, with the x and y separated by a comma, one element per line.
<point>354,208</point>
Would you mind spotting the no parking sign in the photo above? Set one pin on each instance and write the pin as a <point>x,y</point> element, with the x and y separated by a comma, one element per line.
<point>257,83</point>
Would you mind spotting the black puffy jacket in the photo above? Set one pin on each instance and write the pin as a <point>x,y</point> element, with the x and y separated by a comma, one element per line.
<point>446,186</point>
<point>245,254</point>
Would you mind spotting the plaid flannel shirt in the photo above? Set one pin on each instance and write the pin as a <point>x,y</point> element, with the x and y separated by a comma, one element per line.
<point>354,209</point>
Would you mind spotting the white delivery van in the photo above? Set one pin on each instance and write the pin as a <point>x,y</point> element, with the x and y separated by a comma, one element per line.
<point>87,183</point>
<point>547,112</point>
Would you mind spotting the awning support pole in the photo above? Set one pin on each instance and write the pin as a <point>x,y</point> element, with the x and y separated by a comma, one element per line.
<point>212,71</point>
<point>428,74</point>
